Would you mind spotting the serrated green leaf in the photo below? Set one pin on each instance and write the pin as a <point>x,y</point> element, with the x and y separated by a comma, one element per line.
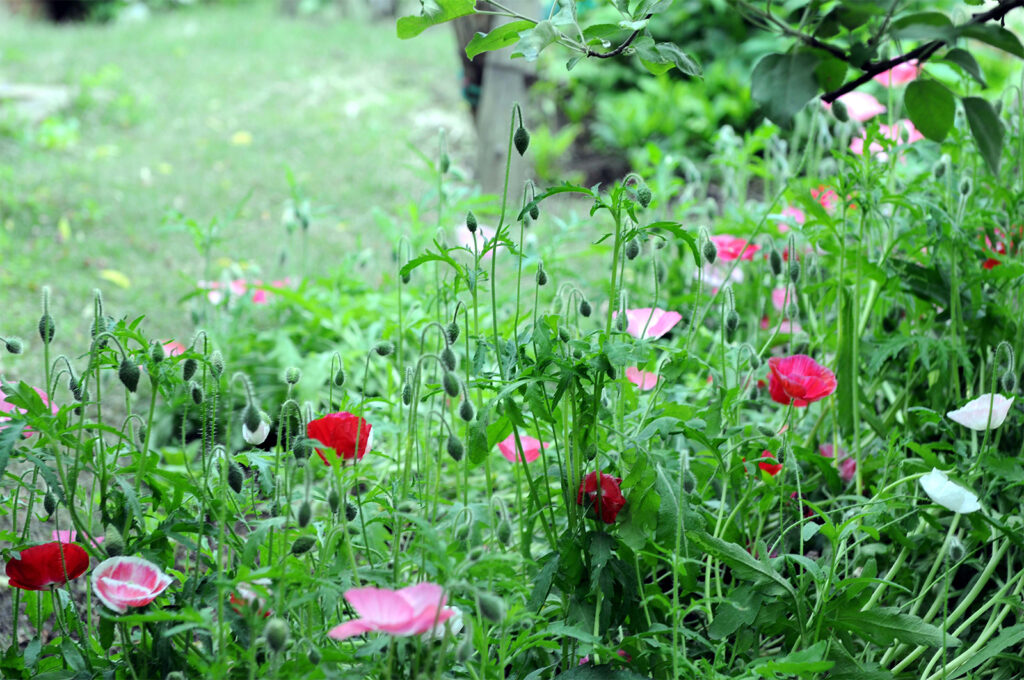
<point>783,84</point>
<point>930,107</point>
<point>9,436</point>
<point>503,36</point>
<point>885,625</point>
<point>1008,637</point>
<point>439,12</point>
<point>987,130</point>
<point>742,563</point>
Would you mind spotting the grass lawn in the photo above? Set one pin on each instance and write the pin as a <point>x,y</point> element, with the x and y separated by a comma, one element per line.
<point>184,116</point>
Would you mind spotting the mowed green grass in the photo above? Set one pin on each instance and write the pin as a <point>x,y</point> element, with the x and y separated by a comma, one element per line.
<point>192,111</point>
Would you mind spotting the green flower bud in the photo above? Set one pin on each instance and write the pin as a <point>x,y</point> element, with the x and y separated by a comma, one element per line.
<point>644,195</point>
<point>406,277</point>
<point>966,186</point>
<point>129,374</point>
<point>521,139</point>
<point>217,364</point>
<point>504,532</point>
<point>563,335</point>
<point>446,163</point>
<point>302,448</point>
<point>632,249</point>
<point>76,388</point>
<point>407,393</point>
<point>534,212</point>
<point>14,345</point>
<point>710,251</point>
<point>113,542</point>
<point>303,544</point>
<point>794,270</point>
<point>451,331</point>
<point>351,512</point>
<point>235,477</point>
<point>448,359</point>
<point>775,261</point>
<point>305,514</point>
<point>196,391</point>
<point>466,410</point>
<point>455,448</point>
<point>732,321</point>
<point>491,607</point>
<point>471,223</point>
<point>451,384</point>
<point>620,323</point>
<point>339,377</point>
<point>47,328</point>
<point>585,308</point>
<point>157,353</point>
<point>334,500</point>
<point>542,276</point>
<point>384,348</point>
<point>476,553</point>
<point>1008,382</point>
<point>188,369</point>
<point>142,435</point>
<point>49,503</point>
<point>292,375</point>
<point>276,633</point>
<point>313,655</point>
<point>251,417</point>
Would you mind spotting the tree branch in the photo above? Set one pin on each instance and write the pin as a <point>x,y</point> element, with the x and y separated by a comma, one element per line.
<point>621,48</point>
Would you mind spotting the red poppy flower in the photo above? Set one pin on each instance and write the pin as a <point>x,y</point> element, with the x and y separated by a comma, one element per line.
<point>799,378</point>
<point>349,435</point>
<point>611,500</point>
<point>769,463</point>
<point>42,566</point>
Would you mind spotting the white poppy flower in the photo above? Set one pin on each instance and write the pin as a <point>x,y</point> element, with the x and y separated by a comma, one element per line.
<point>947,494</point>
<point>453,626</point>
<point>975,413</point>
<point>259,436</point>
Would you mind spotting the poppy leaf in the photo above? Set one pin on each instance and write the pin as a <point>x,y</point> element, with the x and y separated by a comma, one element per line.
<point>589,671</point>
<point>47,474</point>
<point>885,625</point>
<point>742,563</point>
<point>1008,637</point>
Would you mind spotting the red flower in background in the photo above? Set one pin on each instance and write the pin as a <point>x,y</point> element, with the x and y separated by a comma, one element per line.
<point>769,463</point>
<point>611,500</point>
<point>349,435</point>
<point>46,565</point>
<point>799,379</point>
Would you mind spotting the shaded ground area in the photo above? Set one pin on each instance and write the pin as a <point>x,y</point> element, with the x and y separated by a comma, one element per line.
<point>188,116</point>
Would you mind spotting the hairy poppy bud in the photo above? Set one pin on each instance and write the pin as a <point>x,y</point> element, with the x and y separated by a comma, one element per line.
<point>710,252</point>
<point>251,417</point>
<point>196,392</point>
<point>448,359</point>
<point>446,163</point>
<point>188,369</point>
<point>14,345</point>
<point>113,542</point>
<point>542,276</point>
<point>620,323</point>
<point>632,249</point>
<point>292,375</point>
<point>157,353</point>
<point>305,514</point>
<point>732,321</point>
<point>450,383</point>
<point>521,139</point>
<point>75,387</point>
<point>940,166</point>
<point>464,652</point>
<point>407,393</point>
<point>1004,358</point>
<point>47,328</point>
<point>966,186</point>
<point>451,332</point>
<point>334,500</point>
<point>303,544</point>
<point>351,512</point>
<point>276,633</point>
<point>461,532</point>
<point>406,277</point>
<point>471,223</point>
<point>49,503</point>
<point>504,531</point>
<point>339,377</point>
<point>840,112</point>
<point>491,607</point>
<point>534,212</point>
<point>585,308</point>
<point>455,448</point>
<point>313,655</point>
<point>466,410</point>
<point>1008,382</point>
<point>476,553</point>
<point>563,335</point>
<point>217,364</point>
<point>794,270</point>
<point>129,374</point>
<point>235,477</point>
<point>775,261</point>
<point>384,348</point>
<point>302,448</point>
<point>644,195</point>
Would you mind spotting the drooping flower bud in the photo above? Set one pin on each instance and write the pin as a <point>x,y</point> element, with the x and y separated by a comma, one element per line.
<point>351,512</point>
<point>334,500</point>
<point>235,477</point>
<point>534,212</point>
<point>451,384</point>
<point>251,417</point>
<point>384,348</point>
<point>196,392</point>
<point>585,308</point>
<point>313,655</point>
<point>305,514</point>
<point>794,270</point>
<point>455,448</point>
<point>260,434</point>
<point>644,195</point>
<point>49,503</point>
<point>966,187</point>
<point>448,359</point>
<point>632,249</point>
<point>521,139</point>
<point>732,322</point>
<point>840,112</point>
<point>339,377</point>
<point>710,251</point>
<point>129,374</point>
<point>217,364</point>
<point>466,410</point>
<point>1008,382</point>
<point>504,531</point>
<point>47,328</point>
<point>188,369</point>
<point>542,276</point>
<point>471,223</point>
<point>75,387</point>
<point>14,345</point>
<point>276,634</point>
<point>303,544</point>
<point>491,607</point>
<point>775,261</point>
<point>563,335</point>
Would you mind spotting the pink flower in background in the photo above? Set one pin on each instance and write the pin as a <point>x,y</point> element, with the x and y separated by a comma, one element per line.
<point>173,348</point>
<point>645,380</point>
<point>860,105</point>
<point>656,321</point>
<point>71,535</point>
<point>623,654</point>
<point>238,288</point>
<point>791,211</point>
<point>410,611</point>
<point>531,448</point>
<point>779,298</point>
<point>122,582</point>
<point>799,379</point>
<point>847,465</point>
<point>827,197</point>
<point>891,132</point>
<point>900,74</point>
<point>734,248</point>
<point>7,407</point>
<point>465,239</point>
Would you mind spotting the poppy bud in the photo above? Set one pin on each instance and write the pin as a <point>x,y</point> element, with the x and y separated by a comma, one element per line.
<point>632,249</point>
<point>461,532</point>
<point>113,542</point>
<point>142,435</point>
<point>840,112</point>
<point>75,387</point>
<point>334,500</point>
<point>534,212</point>
<point>521,139</point>
<point>339,377</point>
<point>301,448</point>
<point>305,514</point>
<point>351,512</point>
<point>660,271</point>
<point>939,167</point>
<point>188,369</point>
<point>466,410</point>
<point>732,321</point>
<point>303,544</point>
<point>794,270</point>
<point>446,163</point>
<point>563,335</point>
<point>476,553</point>
<point>407,393</point>
<point>464,652</point>
<point>129,374</point>
<point>196,391</point>
<point>504,531</point>
<point>710,251</point>
<point>1008,382</point>
<point>406,277</point>
<point>292,375</point>
<point>455,448</point>
<point>217,364</point>
<point>384,348</point>
<point>157,353</point>
<point>620,323</point>
<point>966,186</point>
<point>957,550</point>
<point>251,417</point>
<point>14,345</point>
<point>450,383</point>
<point>794,309</point>
<point>1004,359</point>
<point>49,503</point>
<point>471,222</point>
<point>47,328</point>
<point>644,195</point>
<point>542,276</point>
<point>313,655</point>
<point>491,607</point>
<point>775,261</point>
<point>451,331</point>
<point>235,477</point>
<point>448,359</point>
<point>585,308</point>
<point>276,633</point>
<point>689,481</point>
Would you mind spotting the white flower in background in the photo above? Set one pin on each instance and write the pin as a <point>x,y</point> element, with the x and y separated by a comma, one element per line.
<point>947,494</point>
<point>453,625</point>
<point>975,413</point>
<point>259,436</point>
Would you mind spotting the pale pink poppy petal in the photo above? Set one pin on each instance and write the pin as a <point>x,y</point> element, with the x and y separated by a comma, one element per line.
<point>350,628</point>
<point>656,320</point>
<point>779,298</point>
<point>173,348</point>
<point>423,595</point>
<point>899,74</point>
<point>645,380</point>
<point>531,448</point>
<point>422,623</point>
<point>988,411</point>
<point>860,105</point>
<point>379,607</point>
<point>122,582</point>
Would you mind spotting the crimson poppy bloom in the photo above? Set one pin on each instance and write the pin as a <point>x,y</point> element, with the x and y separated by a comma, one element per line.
<point>769,463</point>
<point>611,500</point>
<point>122,582</point>
<point>50,564</point>
<point>349,435</point>
<point>799,379</point>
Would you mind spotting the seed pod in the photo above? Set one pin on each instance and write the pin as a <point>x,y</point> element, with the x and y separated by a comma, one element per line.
<point>47,328</point>
<point>14,345</point>
<point>491,607</point>
<point>466,410</point>
<point>448,359</point>
<point>585,308</point>
<point>471,223</point>
<point>451,384</point>
<point>303,544</point>
<point>188,369</point>
<point>521,139</point>
<point>384,348</point>
<point>276,633</point>
<point>305,514</point>
<point>632,249</point>
<point>129,374</point>
<point>334,500</point>
<point>235,477</point>
<point>455,448</point>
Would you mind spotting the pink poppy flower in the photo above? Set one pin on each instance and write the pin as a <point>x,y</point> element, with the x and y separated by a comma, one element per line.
<point>734,248</point>
<point>645,380</point>
<point>173,348</point>
<point>860,105</point>
<point>779,298</point>
<point>900,74</point>
<point>531,448</point>
<point>122,582</point>
<point>986,412</point>
<point>7,407</point>
<point>71,535</point>
<point>895,133</point>
<point>785,326</point>
<point>793,212</point>
<point>649,323</point>
<point>247,596</point>
<point>410,611</point>
<point>847,465</point>
<point>827,197</point>
<point>799,379</point>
